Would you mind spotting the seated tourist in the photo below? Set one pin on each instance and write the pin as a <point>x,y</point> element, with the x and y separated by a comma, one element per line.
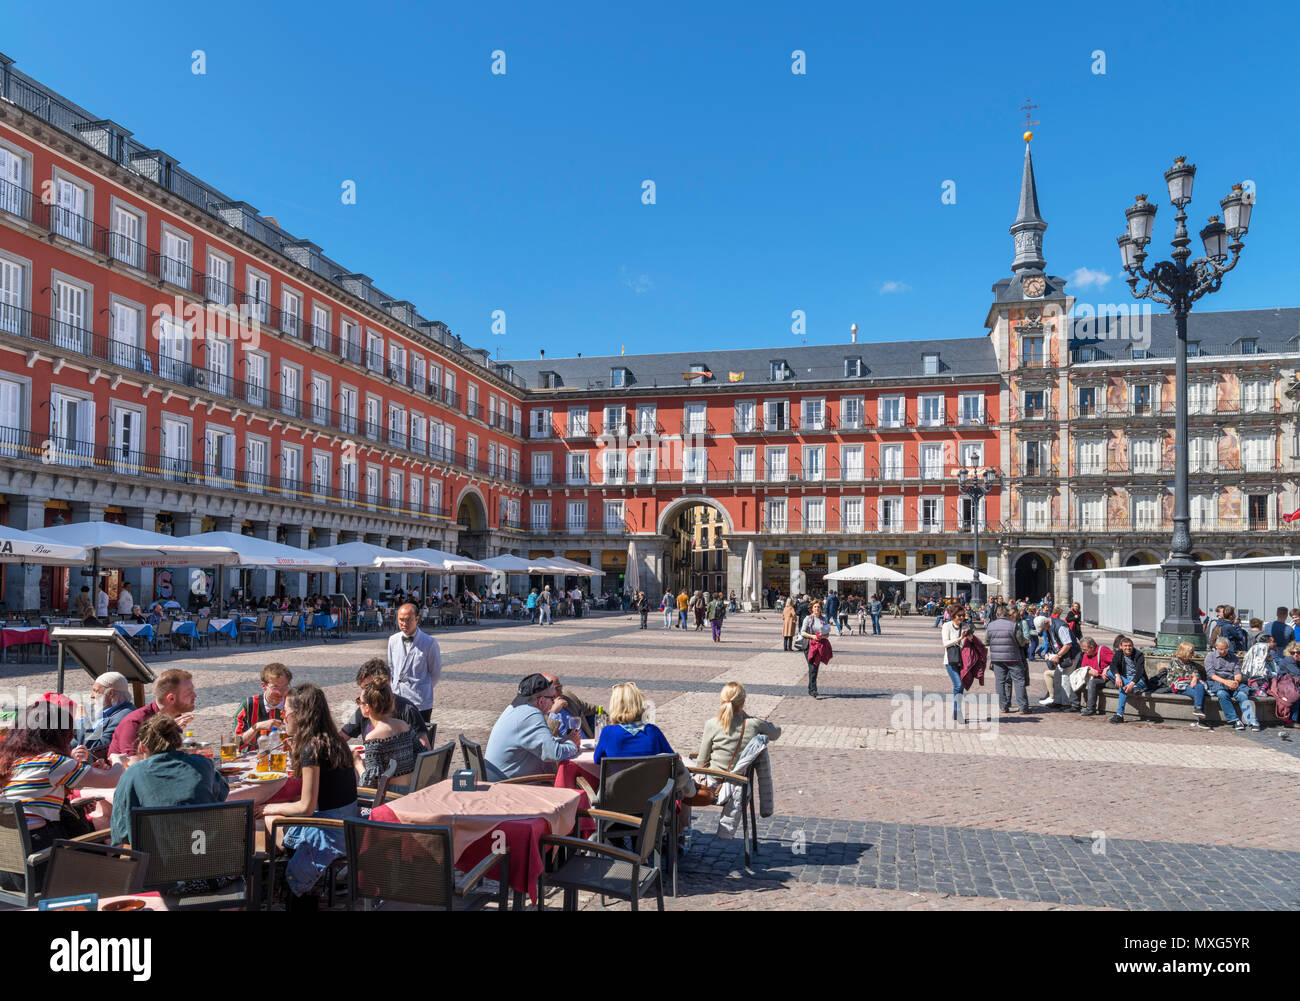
<point>1097,659</point>
<point>1187,677</point>
<point>627,736</point>
<point>376,669</point>
<point>259,713</point>
<point>1288,663</point>
<point>567,706</point>
<point>173,694</point>
<point>726,735</point>
<point>388,738</point>
<point>1227,684</point>
<point>165,776</point>
<point>110,702</point>
<point>38,768</point>
<point>1129,673</point>
<point>322,760</point>
<point>521,743</point>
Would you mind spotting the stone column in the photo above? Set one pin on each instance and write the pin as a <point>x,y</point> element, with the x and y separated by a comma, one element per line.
<point>1114,558</point>
<point>1061,584</point>
<point>909,568</point>
<point>140,578</point>
<point>597,583</point>
<point>262,582</point>
<point>1006,573</point>
<point>735,576</point>
<point>372,583</point>
<point>184,523</point>
<point>224,523</point>
<point>23,582</point>
<point>951,556</point>
<point>832,564</point>
<point>86,511</point>
<point>326,537</point>
<point>295,584</point>
<point>794,570</point>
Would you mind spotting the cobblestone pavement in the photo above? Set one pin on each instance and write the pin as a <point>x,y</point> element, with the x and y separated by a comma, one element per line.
<point>882,800</point>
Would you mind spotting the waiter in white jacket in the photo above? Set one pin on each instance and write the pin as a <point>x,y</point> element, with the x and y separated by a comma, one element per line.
<point>414,661</point>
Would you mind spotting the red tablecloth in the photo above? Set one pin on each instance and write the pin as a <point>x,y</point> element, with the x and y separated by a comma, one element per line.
<point>22,635</point>
<point>523,839</point>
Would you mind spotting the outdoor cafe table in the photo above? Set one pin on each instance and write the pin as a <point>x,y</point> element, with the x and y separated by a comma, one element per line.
<point>134,629</point>
<point>228,626</point>
<point>23,636</point>
<point>101,814</point>
<point>523,813</point>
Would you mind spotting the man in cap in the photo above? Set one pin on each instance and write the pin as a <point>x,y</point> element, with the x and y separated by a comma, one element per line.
<point>521,743</point>
<point>110,702</point>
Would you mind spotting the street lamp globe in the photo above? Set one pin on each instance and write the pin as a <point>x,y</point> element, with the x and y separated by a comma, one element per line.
<point>1215,238</point>
<point>1141,215</point>
<point>1179,177</point>
<point>1128,251</point>
<point>1236,211</point>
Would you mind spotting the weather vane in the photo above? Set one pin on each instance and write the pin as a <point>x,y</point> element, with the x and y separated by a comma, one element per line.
<point>1029,121</point>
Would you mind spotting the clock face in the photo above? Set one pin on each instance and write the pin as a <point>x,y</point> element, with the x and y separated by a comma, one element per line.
<point>1034,286</point>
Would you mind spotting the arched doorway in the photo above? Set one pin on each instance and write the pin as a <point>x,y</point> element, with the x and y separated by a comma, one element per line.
<point>471,520</point>
<point>698,531</point>
<point>1033,576</point>
<point>1088,561</point>
<point>1140,560</point>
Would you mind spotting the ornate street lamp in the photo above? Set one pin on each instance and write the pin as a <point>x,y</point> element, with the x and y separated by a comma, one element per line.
<point>1177,284</point>
<point>976,487</point>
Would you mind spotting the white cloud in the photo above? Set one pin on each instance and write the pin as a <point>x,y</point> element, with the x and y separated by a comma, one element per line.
<point>637,283</point>
<point>888,288</point>
<point>1085,277</point>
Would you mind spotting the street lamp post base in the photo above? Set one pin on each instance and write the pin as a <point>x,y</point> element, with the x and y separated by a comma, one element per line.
<point>1182,622</point>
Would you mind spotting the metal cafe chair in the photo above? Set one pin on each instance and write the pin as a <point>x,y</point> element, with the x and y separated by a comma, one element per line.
<point>473,758</point>
<point>604,869</point>
<point>81,867</point>
<point>168,835</point>
<point>414,864</point>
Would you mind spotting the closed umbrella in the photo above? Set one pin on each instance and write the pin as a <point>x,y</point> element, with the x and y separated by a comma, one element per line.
<point>632,578</point>
<point>749,577</point>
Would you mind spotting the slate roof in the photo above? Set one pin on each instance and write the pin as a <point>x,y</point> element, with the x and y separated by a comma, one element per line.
<point>959,356</point>
<point>1218,333</point>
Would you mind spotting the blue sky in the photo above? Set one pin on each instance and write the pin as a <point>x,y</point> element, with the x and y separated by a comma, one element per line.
<point>775,192</point>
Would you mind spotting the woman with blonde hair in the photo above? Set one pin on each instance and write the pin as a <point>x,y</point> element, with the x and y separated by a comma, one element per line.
<point>727,734</point>
<point>627,735</point>
<point>1187,677</point>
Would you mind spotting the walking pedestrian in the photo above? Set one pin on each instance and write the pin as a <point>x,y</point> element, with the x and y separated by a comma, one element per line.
<point>682,602</point>
<point>789,623</point>
<point>669,605</point>
<point>699,604</point>
<point>875,614</point>
<point>717,612</point>
<point>1007,654</point>
<point>544,604</point>
<point>955,635</point>
<point>833,612</point>
<point>816,629</point>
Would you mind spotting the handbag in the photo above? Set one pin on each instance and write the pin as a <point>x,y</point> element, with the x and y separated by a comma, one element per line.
<point>708,795</point>
<point>1078,678</point>
<point>800,642</point>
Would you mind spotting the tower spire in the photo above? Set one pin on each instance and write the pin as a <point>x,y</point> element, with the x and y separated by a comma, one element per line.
<point>1027,230</point>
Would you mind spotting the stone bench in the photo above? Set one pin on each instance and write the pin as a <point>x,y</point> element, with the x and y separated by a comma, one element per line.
<point>1172,707</point>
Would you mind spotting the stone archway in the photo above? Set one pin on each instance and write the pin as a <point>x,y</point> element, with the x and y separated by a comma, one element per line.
<point>1033,576</point>
<point>668,514</point>
<point>1089,561</point>
<point>1141,559</point>
<point>472,522</point>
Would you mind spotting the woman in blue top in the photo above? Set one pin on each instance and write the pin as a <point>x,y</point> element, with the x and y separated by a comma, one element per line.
<point>627,736</point>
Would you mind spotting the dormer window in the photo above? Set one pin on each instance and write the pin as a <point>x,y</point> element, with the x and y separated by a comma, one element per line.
<point>1087,354</point>
<point>1249,346</point>
<point>780,371</point>
<point>1139,354</point>
<point>1193,349</point>
<point>930,364</point>
<point>550,380</point>
<point>703,370</point>
<point>853,368</point>
<point>618,377</point>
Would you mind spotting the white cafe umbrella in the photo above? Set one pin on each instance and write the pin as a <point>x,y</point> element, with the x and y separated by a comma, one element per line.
<point>112,545</point>
<point>574,568</point>
<point>632,576</point>
<point>517,565</point>
<point>255,552</point>
<point>952,573</point>
<point>358,556</point>
<point>444,562</point>
<point>871,571</point>
<point>749,577</point>
<point>24,547</point>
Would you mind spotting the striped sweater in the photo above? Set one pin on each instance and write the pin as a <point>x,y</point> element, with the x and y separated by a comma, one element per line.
<point>41,783</point>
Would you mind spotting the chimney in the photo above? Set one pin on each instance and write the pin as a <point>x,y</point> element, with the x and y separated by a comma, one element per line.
<point>543,352</point>
<point>853,334</point>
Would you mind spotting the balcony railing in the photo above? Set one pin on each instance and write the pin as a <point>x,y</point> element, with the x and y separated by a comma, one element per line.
<point>696,426</point>
<point>823,423</point>
<point>1158,525</point>
<point>1022,414</point>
